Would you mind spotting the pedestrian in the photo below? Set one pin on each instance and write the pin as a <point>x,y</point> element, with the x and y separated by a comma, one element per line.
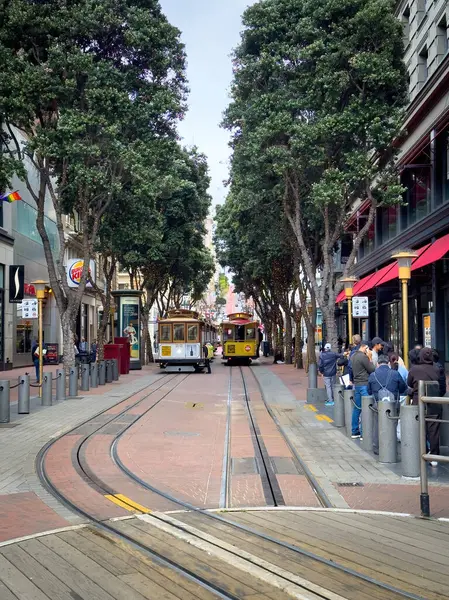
<point>327,366</point>
<point>361,370</point>
<point>376,350</point>
<point>441,372</point>
<point>93,351</point>
<point>35,358</point>
<point>425,371</point>
<point>340,344</point>
<point>384,378</point>
<point>403,372</point>
<point>206,358</point>
<point>356,341</point>
<point>83,345</point>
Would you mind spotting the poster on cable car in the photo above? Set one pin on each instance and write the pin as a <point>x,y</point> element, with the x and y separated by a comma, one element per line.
<point>129,323</point>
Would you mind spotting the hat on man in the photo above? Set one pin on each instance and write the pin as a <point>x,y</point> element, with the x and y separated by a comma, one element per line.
<point>377,340</point>
<point>327,347</point>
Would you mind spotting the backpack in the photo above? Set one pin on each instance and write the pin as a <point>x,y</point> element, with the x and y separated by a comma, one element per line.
<point>384,394</point>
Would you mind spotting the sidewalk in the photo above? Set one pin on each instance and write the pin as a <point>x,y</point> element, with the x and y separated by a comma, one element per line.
<point>351,477</point>
<point>25,506</point>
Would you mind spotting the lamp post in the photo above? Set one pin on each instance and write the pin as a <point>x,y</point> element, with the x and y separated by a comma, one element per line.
<point>40,286</point>
<point>405,259</point>
<point>349,283</point>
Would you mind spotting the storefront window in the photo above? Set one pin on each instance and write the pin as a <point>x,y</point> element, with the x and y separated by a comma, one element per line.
<point>389,223</point>
<point>178,332</point>
<point>26,332</point>
<point>419,203</point>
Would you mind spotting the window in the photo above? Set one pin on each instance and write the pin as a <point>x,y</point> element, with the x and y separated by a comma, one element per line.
<point>228,334</point>
<point>192,333</point>
<point>165,333</point>
<point>406,25</point>
<point>442,41</point>
<point>419,203</point>
<point>251,333</point>
<point>178,332</point>
<point>367,244</point>
<point>26,225</point>
<point>389,223</point>
<point>423,66</point>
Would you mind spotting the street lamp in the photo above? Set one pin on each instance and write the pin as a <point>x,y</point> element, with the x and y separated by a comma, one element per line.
<point>41,290</point>
<point>405,259</point>
<point>349,283</point>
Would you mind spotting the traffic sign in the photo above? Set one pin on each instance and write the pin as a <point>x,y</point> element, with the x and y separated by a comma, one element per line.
<point>360,307</point>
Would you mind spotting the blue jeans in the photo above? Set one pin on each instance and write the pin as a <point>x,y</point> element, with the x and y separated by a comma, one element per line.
<point>36,365</point>
<point>360,390</point>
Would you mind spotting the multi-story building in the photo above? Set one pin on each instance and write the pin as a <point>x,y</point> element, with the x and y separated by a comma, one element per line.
<point>422,222</point>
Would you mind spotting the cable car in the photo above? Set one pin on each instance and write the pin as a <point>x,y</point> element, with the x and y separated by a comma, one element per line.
<point>181,337</point>
<point>241,338</point>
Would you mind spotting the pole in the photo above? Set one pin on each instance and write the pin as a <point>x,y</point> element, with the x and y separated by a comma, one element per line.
<point>350,319</point>
<point>405,320</point>
<point>41,347</point>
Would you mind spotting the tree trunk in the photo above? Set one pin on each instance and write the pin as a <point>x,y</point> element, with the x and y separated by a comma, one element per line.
<point>279,337</point>
<point>299,363</point>
<point>288,339</point>
<point>269,333</point>
<point>68,338</point>
<point>331,327</point>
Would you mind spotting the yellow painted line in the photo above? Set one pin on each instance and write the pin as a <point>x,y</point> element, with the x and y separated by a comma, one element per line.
<point>119,502</point>
<point>139,507</point>
<point>324,418</point>
<point>312,407</point>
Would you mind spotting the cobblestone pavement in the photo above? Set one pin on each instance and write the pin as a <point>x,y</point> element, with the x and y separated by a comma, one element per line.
<point>351,477</point>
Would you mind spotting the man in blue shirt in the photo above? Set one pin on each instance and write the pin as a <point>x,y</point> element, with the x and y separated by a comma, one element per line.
<point>390,379</point>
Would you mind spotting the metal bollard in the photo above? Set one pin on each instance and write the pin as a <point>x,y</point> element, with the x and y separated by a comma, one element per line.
<point>60,384</point>
<point>85,386</point>
<point>101,372</point>
<point>368,417</point>
<point>5,414</point>
<point>339,406</point>
<point>47,393</point>
<point>23,407</point>
<point>94,375</point>
<point>348,401</point>
<point>115,373</point>
<point>73,382</point>
<point>388,445</point>
<point>108,371</point>
<point>410,456</point>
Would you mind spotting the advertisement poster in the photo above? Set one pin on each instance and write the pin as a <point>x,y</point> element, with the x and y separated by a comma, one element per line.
<point>75,271</point>
<point>130,326</point>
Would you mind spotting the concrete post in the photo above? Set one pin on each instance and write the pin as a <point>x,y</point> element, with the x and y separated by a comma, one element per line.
<point>339,406</point>
<point>5,414</point>
<point>102,372</point>
<point>60,384</point>
<point>115,373</point>
<point>410,456</point>
<point>94,375</point>
<point>85,368</point>
<point>47,394</point>
<point>23,407</point>
<point>367,423</point>
<point>108,371</point>
<point>349,403</point>
<point>388,445</point>
<point>73,382</point>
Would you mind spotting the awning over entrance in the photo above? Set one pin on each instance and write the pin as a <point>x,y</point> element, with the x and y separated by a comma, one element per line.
<point>426,255</point>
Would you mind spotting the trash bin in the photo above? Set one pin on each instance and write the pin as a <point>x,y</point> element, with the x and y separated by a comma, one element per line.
<point>112,351</point>
<point>125,365</point>
<point>266,348</point>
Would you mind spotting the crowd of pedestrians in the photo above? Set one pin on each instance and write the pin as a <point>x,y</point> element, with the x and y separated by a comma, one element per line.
<point>375,369</point>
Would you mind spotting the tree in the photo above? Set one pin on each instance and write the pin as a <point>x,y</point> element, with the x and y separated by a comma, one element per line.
<point>308,112</point>
<point>90,89</point>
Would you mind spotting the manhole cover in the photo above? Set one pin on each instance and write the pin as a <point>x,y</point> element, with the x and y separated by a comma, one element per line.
<point>356,484</point>
<point>181,433</point>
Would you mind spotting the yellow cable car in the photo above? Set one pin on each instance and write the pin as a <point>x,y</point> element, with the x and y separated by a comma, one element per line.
<point>241,338</point>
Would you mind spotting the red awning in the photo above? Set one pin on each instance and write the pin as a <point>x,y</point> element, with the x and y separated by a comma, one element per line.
<point>393,273</point>
<point>341,297</point>
<point>432,253</point>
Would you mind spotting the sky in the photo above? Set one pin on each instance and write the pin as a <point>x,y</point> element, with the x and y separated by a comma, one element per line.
<point>210,29</point>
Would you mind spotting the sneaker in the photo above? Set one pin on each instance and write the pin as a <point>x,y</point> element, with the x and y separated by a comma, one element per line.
<point>355,436</point>
<point>329,403</point>
<point>433,463</point>
<point>361,438</point>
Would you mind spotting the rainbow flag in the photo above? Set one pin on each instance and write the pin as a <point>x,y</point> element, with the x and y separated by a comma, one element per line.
<point>12,197</point>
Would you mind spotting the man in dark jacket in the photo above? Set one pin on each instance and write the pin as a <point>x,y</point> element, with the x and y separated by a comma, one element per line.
<point>441,372</point>
<point>361,370</point>
<point>426,371</point>
<point>327,366</point>
<point>384,377</point>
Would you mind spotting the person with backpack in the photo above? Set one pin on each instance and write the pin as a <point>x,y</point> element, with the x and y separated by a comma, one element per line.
<point>327,366</point>
<point>384,384</point>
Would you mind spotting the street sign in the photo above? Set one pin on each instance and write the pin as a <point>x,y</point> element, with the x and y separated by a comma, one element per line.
<point>30,309</point>
<point>360,307</point>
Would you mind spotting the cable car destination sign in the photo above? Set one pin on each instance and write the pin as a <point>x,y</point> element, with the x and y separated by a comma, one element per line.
<point>360,307</point>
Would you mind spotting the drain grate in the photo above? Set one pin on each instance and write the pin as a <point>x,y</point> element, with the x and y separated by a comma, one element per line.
<point>354,484</point>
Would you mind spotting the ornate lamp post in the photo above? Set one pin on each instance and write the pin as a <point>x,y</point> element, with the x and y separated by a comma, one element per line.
<point>349,283</point>
<point>41,292</point>
<point>405,259</point>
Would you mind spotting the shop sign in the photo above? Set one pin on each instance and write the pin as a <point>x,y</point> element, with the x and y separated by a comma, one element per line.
<point>52,356</point>
<point>75,271</point>
<point>428,329</point>
<point>360,307</point>
<point>16,283</point>
<point>30,309</point>
<point>129,323</point>
<point>29,289</point>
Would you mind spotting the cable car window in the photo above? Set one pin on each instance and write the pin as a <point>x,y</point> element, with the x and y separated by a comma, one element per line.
<point>228,334</point>
<point>240,334</point>
<point>250,333</point>
<point>165,333</point>
<point>192,333</point>
<point>178,332</point>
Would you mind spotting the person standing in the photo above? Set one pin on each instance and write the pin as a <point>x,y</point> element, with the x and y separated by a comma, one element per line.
<point>35,358</point>
<point>206,358</point>
<point>384,378</point>
<point>376,350</point>
<point>425,371</point>
<point>361,370</point>
<point>93,351</point>
<point>327,366</point>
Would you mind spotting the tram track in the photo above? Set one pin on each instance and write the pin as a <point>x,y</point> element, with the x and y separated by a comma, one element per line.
<point>105,490</point>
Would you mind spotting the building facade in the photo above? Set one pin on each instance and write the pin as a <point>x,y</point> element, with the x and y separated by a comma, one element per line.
<point>421,223</point>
